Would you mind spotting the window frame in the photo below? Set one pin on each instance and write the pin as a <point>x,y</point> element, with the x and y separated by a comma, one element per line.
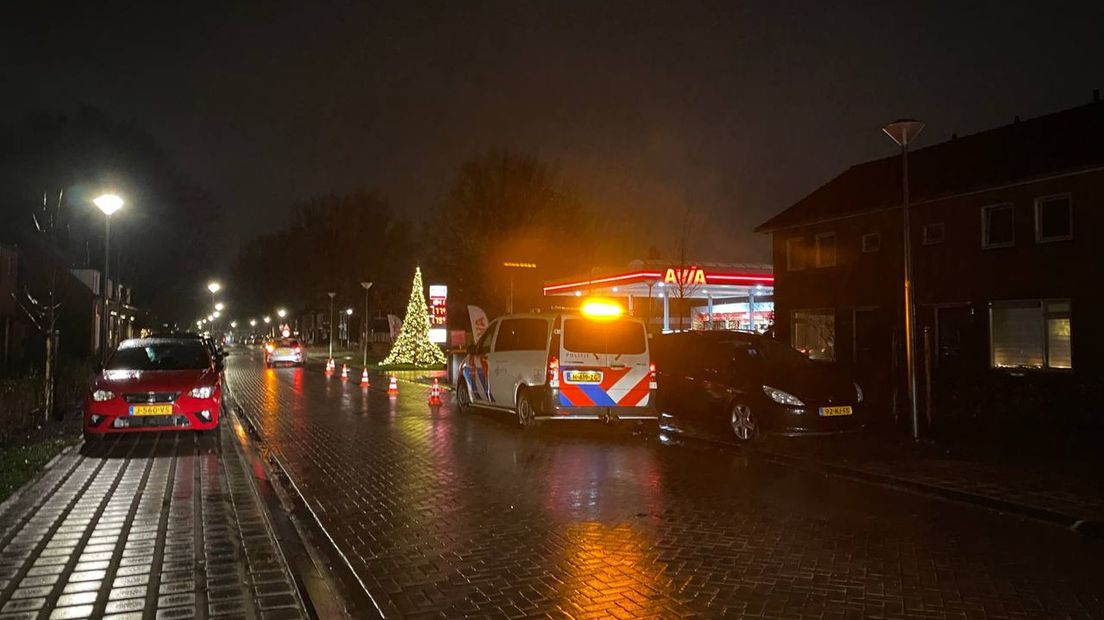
<point>985,245</point>
<point>797,243</point>
<point>871,235</point>
<point>924,228</point>
<point>1041,303</point>
<point>1039,220</point>
<point>829,312</point>
<point>817,264</point>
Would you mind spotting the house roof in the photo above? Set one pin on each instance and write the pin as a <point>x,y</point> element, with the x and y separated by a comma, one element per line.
<point>1064,141</point>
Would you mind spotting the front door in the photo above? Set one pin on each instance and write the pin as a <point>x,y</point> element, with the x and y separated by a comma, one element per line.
<point>873,359</point>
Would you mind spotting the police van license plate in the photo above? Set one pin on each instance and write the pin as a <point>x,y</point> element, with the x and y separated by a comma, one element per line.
<point>834,411</point>
<point>151,410</point>
<point>583,376</point>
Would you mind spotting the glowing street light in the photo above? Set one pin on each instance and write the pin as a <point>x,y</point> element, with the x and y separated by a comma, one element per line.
<point>214,287</point>
<point>267,320</point>
<point>281,313</point>
<point>210,318</point>
<point>108,203</point>
<point>233,324</point>
<point>252,322</point>
<point>216,314</point>
<point>219,306</point>
<point>349,311</point>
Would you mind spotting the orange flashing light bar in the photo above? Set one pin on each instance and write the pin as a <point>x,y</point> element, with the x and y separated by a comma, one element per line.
<point>601,309</point>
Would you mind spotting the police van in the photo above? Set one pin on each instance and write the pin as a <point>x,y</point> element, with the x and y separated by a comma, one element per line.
<point>594,365</point>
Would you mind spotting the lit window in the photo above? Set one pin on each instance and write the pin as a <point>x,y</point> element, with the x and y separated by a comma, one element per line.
<point>1053,218</point>
<point>826,249</point>
<point>1031,334</point>
<point>814,333</point>
<point>931,234</point>
<point>795,254</point>
<point>871,242</point>
<point>998,228</point>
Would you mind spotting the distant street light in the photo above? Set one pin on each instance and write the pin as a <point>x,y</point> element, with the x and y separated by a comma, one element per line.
<point>108,203</point>
<point>349,311</point>
<point>281,313</point>
<point>219,306</point>
<point>332,295</point>
<point>252,322</point>
<point>364,321</point>
<point>233,324</point>
<point>904,132</point>
<point>267,320</point>
<point>214,287</point>
<point>216,314</point>
<point>511,266</point>
<point>210,318</point>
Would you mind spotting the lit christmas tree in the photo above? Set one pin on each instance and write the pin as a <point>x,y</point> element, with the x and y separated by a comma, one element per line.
<point>413,347</point>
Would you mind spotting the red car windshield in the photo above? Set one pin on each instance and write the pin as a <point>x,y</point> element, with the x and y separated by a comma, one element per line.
<point>163,355</point>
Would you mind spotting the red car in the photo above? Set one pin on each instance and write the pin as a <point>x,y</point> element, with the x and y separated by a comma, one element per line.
<point>155,384</point>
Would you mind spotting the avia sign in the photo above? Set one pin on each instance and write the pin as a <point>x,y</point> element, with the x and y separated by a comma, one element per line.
<point>684,276</point>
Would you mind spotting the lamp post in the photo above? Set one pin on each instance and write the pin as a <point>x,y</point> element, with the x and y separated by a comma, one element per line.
<point>332,295</point>
<point>511,266</point>
<point>904,132</point>
<point>108,203</point>
<point>364,321</point>
<point>345,320</point>
<point>214,287</point>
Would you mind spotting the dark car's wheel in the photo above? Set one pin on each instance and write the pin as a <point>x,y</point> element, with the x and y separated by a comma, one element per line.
<point>744,425</point>
<point>463,397</point>
<point>526,413</point>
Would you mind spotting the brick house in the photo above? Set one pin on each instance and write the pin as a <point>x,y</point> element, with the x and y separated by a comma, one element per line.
<point>1007,273</point>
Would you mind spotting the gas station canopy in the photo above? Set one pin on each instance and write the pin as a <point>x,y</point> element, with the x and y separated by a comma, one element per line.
<point>654,278</point>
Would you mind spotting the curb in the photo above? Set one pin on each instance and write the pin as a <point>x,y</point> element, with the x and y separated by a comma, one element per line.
<point>1086,527</point>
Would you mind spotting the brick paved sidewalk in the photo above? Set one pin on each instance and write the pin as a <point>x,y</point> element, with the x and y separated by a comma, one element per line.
<point>1065,492</point>
<point>165,525</point>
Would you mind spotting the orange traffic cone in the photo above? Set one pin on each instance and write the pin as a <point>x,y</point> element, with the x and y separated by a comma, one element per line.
<point>364,378</point>
<point>344,371</point>
<point>330,365</point>
<point>435,393</point>
<point>393,386</point>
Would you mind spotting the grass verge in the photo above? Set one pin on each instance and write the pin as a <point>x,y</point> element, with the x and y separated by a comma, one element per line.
<point>18,464</point>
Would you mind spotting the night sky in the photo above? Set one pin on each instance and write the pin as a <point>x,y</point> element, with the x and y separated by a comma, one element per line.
<point>730,111</point>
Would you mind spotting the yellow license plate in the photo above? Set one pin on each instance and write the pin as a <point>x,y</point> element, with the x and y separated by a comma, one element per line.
<point>584,376</point>
<point>151,410</point>
<point>834,411</point>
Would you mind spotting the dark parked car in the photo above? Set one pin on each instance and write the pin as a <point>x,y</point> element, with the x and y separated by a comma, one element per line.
<point>737,386</point>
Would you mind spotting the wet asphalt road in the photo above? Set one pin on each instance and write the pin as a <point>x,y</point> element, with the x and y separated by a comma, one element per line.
<point>443,514</point>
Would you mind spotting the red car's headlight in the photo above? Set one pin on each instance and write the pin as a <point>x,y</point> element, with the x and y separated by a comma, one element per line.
<point>100,396</point>
<point>204,391</point>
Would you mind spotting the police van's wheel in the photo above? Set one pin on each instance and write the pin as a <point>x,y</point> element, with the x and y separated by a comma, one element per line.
<point>463,397</point>
<point>525,412</point>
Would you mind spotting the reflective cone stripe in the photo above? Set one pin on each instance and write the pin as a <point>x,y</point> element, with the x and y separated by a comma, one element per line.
<point>364,377</point>
<point>344,371</point>
<point>393,385</point>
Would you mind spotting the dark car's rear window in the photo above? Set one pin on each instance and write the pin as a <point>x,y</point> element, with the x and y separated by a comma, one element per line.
<point>617,337</point>
<point>160,355</point>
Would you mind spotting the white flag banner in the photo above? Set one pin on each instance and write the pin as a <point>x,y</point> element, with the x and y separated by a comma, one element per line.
<point>395,324</point>
<point>478,321</point>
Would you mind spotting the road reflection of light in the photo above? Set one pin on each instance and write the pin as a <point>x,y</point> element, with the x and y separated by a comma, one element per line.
<point>588,481</point>
<point>665,439</point>
<point>605,563</point>
<point>297,382</point>
<point>271,388</point>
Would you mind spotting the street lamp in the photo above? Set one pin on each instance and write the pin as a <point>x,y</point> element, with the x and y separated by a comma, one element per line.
<point>267,320</point>
<point>233,324</point>
<point>108,203</point>
<point>332,295</point>
<point>252,322</point>
<point>511,266</point>
<point>219,306</point>
<point>904,132</point>
<point>364,321</point>
<point>281,313</point>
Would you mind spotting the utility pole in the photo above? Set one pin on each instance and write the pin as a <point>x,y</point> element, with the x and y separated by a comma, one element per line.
<point>332,295</point>
<point>364,322</point>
